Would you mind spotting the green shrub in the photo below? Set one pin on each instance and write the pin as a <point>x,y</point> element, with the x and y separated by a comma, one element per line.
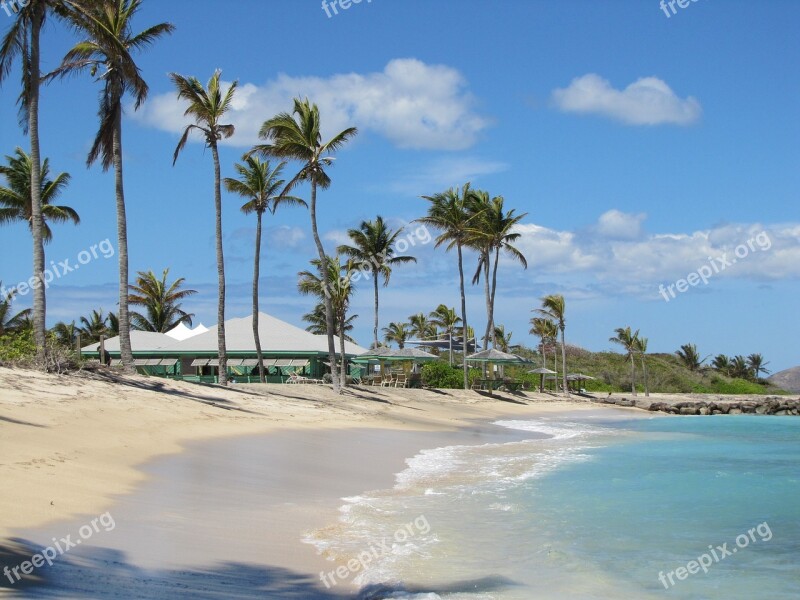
<point>17,347</point>
<point>443,376</point>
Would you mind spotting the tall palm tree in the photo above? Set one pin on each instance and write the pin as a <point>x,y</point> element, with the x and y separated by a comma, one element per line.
<point>628,340</point>
<point>316,320</point>
<point>298,136</point>
<point>207,107</point>
<point>722,364</point>
<point>108,47</point>
<point>446,320</point>
<point>739,367</point>
<point>259,183</point>
<point>161,302</point>
<point>398,333</point>
<point>23,40</point>
<point>492,232</point>
<point>689,356</point>
<point>16,200</point>
<point>421,327</point>
<point>641,348</point>
<point>93,326</point>
<point>756,363</point>
<point>554,308</point>
<point>373,247</point>
<point>338,286</point>
<point>502,340</point>
<point>449,212</point>
<point>8,321</point>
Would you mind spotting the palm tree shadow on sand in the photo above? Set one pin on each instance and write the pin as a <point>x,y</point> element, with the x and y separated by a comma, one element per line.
<point>95,573</point>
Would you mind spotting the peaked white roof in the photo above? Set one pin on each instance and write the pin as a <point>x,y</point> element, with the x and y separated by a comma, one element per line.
<point>141,341</point>
<point>182,332</point>
<point>275,335</point>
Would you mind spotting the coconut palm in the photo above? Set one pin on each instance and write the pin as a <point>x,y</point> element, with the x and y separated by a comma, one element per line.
<point>334,281</point>
<point>502,340</point>
<point>261,185</point>
<point>316,320</point>
<point>298,136</point>
<point>373,249</point>
<point>398,333</point>
<point>739,367</point>
<point>65,334</point>
<point>16,202</point>
<point>641,348</point>
<point>107,53</point>
<point>756,363</point>
<point>22,40</point>
<point>93,327</point>
<point>449,212</point>
<point>547,332</point>
<point>161,302</point>
<point>689,356</point>
<point>113,324</point>
<point>628,340</point>
<point>207,106</point>
<point>554,308</point>
<point>421,327</point>
<point>10,322</point>
<point>491,233</point>
<point>722,364</point>
<point>446,320</point>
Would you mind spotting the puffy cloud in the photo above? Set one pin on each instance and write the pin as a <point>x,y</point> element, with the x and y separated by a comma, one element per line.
<point>411,103</point>
<point>647,101</point>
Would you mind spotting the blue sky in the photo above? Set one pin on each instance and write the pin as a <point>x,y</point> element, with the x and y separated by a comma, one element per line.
<point>642,147</point>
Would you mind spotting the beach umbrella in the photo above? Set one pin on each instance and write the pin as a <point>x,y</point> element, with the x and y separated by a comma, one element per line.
<point>385,354</point>
<point>495,356</point>
<point>579,377</point>
<point>542,371</point>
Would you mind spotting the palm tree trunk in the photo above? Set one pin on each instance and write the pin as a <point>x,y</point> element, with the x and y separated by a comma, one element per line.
<point>37,223</point>
<point>223,353</point>
<point>564,361</point>
<point>463,316</point>
<point>375,284</point>
<point>633,375</point>
<point>126,352</point>
<point>329,317</point>
<point>644,373</point>
<point>487,293</point>
<point>341,347</point>
<point>494,289</point>
<point>256,268</point>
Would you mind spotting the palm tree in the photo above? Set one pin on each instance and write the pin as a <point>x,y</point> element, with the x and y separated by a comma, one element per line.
<point>739,367</point>
<point>65,334</point>
<point>492,233</point>
<point>547,332</point>
<point>641,348</point>
<point>449,212</point>
<point>16,200</point>
<point>502,340</point>
<point>161,301</point>
<point>300,139</point>
<point>756,363</point>
<point>259,183</point>
<point>11,322</point>
<point>689,356</point>
<point>722,364</point>
<point>373,247</point>
<point>629,341</point>
<point>398,333</point>
<point>554,308</point>
<point>22,40</point>
<point>113,324</point>
<point>108,47</point>
<point>421,327</point>
<point>316,320</point>
<point>93,326</point>
<point>338,285</point>
<point>445,319</point>
<point>207,106</point>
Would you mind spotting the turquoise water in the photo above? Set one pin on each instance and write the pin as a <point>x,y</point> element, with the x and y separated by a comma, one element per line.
<point>599,509</point>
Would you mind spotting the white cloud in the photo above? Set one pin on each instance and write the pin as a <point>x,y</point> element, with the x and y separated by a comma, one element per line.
<point>439,174</point>
<point>412,104</point>
<point>615,224</point>
<point>647,101</point>
<point>284,236</point>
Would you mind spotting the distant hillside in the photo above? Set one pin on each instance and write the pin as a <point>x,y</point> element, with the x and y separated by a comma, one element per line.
<point>788,380</point>
<point>666,373</point>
